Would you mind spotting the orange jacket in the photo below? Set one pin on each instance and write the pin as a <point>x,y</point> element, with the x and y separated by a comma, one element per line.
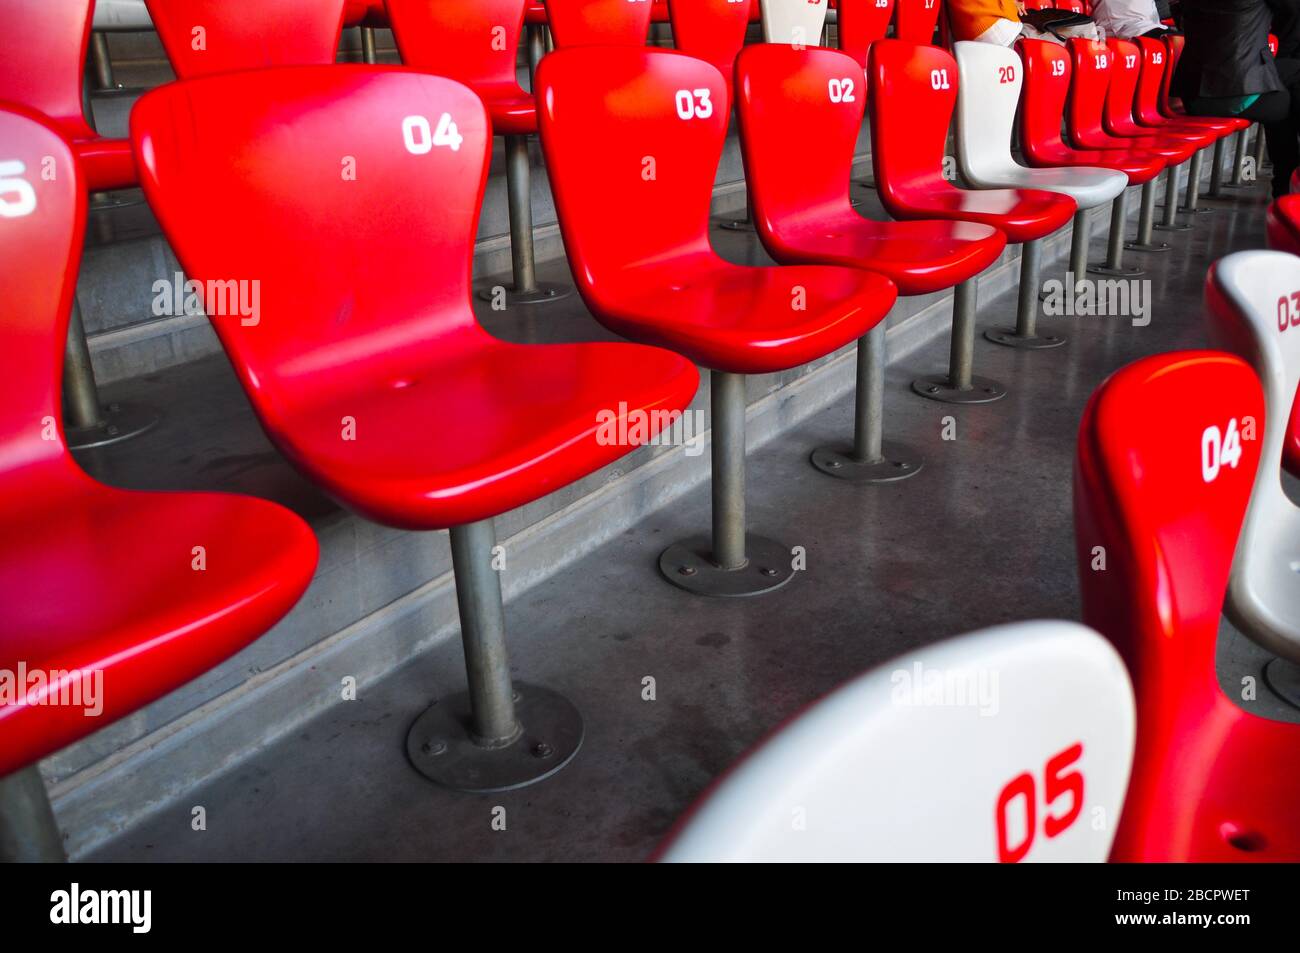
<point>970,18</point>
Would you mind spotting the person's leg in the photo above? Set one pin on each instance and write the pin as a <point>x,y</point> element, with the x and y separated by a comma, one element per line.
<point>1277,112</point>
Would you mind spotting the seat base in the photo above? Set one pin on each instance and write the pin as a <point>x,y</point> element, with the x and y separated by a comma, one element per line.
<point>439,745</point>
<point>897,463</point>
<point>939,387</point>
<point>544,293</point>
<point>689,565</point>
<point>1008,337</point>
<point>1147,246</point>
<point>1283,676</point>
<point>121,421</point>
<point>1124,271</point>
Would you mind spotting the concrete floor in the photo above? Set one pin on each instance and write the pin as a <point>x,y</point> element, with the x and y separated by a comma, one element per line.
<point>982,535</point>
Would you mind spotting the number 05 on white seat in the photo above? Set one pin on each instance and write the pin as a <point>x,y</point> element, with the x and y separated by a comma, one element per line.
<point>1254,303</point>
<point>988,94</point>
<point>1013,743</point>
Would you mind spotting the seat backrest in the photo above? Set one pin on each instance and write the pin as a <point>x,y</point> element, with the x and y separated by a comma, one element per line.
<point>202,37</point>
<point>861,23</point>
<point>1005,744</point>
<point>916,20</point>
<point>820,92</point>
<point>794,22</point>
<point>913,90</point>
<point>349,193</point>
<point>43,58</point>
<point>1163,475</point>
<point>988,94</point>
<point>1146,105</point>
<point>1125,68</point>
<point>1092,62</point>
<point>648,137</point>
<point>1047,70</point>
<point>599,22</point>
<point>711,30</point>
<point>42,220</point>
<point>1254,305</point>
<point>475,42</point>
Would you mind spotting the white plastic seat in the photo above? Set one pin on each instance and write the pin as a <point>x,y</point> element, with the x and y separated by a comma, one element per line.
<point>1255,308</point>
<point>121,15</point>
<point>793,22</point>
<point>893,767</point>
<point>990,79</point>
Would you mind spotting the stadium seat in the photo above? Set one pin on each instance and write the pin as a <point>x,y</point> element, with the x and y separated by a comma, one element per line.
<point>913,91</point>
<point>1159,499</point>
<point>112,598</point>
<point>1048,73</point>
<point>1002,745</point>
<point>861,23</point>
<point>713,31</point>
<point>803,216</point>
<point>661,138</point>
<point>47,76</point>
<point>202,37</point>
<point>1254,303</point>
<point>599,22</point>
<point>990,78</point>
<point>1283,224</point>
<point>794,22</point>
<point>476,42</point>
<point>915,20</point>
<point>368,337</point>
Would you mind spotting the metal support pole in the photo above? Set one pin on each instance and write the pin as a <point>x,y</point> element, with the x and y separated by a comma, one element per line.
<point>1260,153</point>
<point>368,52</point>
<point>520,200</point>
<point>101,62</point>
<point>483,634</point>
<point>1024,334</point>
<point>28,831</point>
<point>727,402</point>
<point>1194,183</point>
<point>959,385</point>
<point>1239,158</point>
<point>869,460</point>
<point>1079,236</point>
<point>1114,266</point>
<point>1146,222</point>
<point>536,34</point>
<point>497,736</point>
<point>81,407</point>
<point>1170,223</point>
<point>1216,170</point>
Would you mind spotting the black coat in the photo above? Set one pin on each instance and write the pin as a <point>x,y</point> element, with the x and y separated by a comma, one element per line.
<point>1286,26</point>
<point>1227,50</point>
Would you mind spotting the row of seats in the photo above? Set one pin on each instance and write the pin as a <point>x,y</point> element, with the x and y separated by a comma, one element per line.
<point>355,348</point>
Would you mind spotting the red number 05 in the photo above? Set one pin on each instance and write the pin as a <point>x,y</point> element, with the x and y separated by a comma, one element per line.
<point>1022,788</point>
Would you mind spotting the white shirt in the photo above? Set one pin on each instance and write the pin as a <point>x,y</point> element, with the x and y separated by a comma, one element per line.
<point>1126,18</point>
<point>1002,32</point>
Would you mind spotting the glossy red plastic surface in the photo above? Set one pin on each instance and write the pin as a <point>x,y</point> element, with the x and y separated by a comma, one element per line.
<point>475,42</point>
<point>711,30</point>
<point>369,13</point>
<point>1047,87</point>
<point>599,22</point>
<point>915,20</point>
<point>202,37</point>
<point>861,23</point>
<point>92,578</point>
<point>1093,68</point>
<point>1283,220</point>
<point>42,61</point>
<point>368,368</point>
<point>1151,80</point>
<point>1210,782</point>
<point>1121,95</point>
<point>625,140</point>
<point>913,91</point>
<point>801,209</point>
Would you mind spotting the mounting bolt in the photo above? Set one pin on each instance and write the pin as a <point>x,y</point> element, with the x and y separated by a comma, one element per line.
<point>768,571</point>
<point>686,570</point>
<point>434,747</point>
<point>834,464</point>
<point>542,750</point>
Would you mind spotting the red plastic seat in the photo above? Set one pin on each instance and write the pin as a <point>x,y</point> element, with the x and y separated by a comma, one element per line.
<point>1121,96</point>
<point>649,137</point>
<point>202,37</point>
<point>1152,81</point>
<point>712,30</point>
<point>861,23</point>
<point>1093,70</point>
<point>368,338</point>
<point>599,22</point>
<point>916,20</point>
<point>147,589</point>
<point>42,62</point>
<point>1211,782</point>
<point>1283,225</point>
<point>913,90</point>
